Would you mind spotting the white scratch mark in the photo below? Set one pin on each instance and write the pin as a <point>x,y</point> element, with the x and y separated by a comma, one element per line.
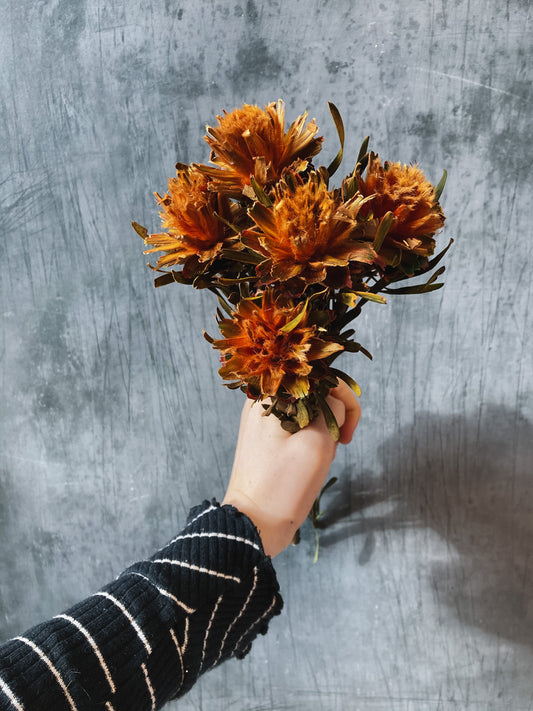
<point>455,77</point>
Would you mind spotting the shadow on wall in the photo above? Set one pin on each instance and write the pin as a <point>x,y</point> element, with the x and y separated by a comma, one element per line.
<point>470,480</point>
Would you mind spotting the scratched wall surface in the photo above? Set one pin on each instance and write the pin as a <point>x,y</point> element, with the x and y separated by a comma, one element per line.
<point>113,420</point>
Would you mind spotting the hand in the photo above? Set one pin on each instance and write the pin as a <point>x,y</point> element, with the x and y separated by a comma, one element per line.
<point>276,475</point>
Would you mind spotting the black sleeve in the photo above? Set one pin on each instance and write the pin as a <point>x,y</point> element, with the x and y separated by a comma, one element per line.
<point>146,637</point>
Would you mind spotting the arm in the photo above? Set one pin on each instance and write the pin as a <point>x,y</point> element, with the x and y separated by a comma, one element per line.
<point>147,636</point>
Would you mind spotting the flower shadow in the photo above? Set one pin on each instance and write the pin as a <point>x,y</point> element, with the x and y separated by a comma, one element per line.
<point>469,479</point>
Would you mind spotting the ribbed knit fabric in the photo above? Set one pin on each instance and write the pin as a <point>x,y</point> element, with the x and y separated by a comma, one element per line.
<point>146,637</point>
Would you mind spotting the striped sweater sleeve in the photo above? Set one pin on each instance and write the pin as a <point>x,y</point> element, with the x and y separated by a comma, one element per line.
<point>146,637</point>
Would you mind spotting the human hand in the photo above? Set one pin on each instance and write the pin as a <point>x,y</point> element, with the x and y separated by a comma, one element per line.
<point>277,476</point>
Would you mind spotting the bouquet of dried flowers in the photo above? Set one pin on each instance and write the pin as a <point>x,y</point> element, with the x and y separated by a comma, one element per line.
<point>291,259</point>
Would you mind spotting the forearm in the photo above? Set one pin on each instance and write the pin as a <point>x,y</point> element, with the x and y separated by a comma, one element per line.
<point>147,636</point>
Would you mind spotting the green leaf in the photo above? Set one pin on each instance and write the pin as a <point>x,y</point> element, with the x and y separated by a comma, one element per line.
<point>433,262</point>
<point>369,296</point>
<point>420,288</point>
<point>295,321</point>
<point>289,179</point>
<point>327,485</point>
<point>224,305</point>
<point>424,270</point>
<point>230,282</point>
<point>349,298</point>
<point>302,414</point>
<point>435,275</point>
<point>317,545</point>
<point>170,277</point>
<point>329,417</point>
<point>260,193</point>
<point>332,167</point>
<point>243,256</point>
<point>363,150</point>
<point>349,188</point>
<point>440,186</point>
<point>141,231</point>
<point>348,380</point>
<point>227,223</point>
<point>384,226</point>
<point>323,172</point>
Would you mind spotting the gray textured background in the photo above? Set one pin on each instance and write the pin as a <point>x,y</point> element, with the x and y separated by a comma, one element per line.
<point>113,419</point>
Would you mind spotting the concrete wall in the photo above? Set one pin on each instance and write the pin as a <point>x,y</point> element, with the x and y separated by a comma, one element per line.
<point>113,419</point>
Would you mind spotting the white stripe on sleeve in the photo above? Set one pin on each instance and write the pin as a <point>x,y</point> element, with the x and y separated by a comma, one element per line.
<point>130,619</point>
<point>93,644</point>
<point>209,629</point>
<point>197,568</point>
<point>250,628</point>
<point>149,685</point>
<point>237,618</point>
<point>211,508</point>
<point>180,655</point>
<point>164,592</point>
<point>226,536</point>
<point>11,696</point>
<point>52,668</point>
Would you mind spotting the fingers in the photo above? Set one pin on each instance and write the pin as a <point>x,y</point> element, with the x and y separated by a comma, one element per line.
<point>343,404</point>
<point>352,411</point>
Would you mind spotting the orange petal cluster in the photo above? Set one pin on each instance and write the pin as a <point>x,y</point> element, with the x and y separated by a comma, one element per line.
<point>188,213</point>
<point>307,230</point>
<point>404,191</point>
<point>271,346</point>
<point>252,142</point>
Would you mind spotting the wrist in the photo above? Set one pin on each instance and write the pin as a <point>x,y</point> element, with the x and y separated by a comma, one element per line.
<point>275,532</point>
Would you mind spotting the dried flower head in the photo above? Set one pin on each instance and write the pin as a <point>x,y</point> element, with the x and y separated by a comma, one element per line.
<point>404,191</point>
<point>251,141</point>
<point>307,231</point>
<point>188,213</point>
<point>271,347</point>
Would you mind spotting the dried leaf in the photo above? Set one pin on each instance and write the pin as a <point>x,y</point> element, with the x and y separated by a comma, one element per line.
<point>326,486</point>
<point>244,256</point>
<point>141,231</point>
<point>260,193</point>
<point>329,417</point>
<point>332,167</point>
<point>363,151</point>
<point>384,226</point>
<point>348,380</point>
<point>349,298</point>
<point>227,223</point>
<point>440,186</point>
<point>224,305</point>
<point>369,296</point>
<point>302,414</point>
<point>295,321</point>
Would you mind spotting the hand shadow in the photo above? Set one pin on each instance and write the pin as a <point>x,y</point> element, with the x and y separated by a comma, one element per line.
<point>470,479</point>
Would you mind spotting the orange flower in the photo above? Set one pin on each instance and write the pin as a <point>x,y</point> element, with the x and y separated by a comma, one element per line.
<point>271,346</point>
<point>189,216</point>
<point>404,191</point>
<point>251,141</point>
<point>307,230</point>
